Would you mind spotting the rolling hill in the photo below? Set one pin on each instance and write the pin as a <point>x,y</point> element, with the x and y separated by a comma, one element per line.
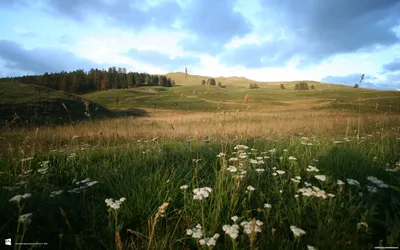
<point>190,95</point>
<point>28,104</point>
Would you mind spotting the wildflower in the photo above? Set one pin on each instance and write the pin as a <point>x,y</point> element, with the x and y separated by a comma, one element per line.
<point>25,218</point>
<point>201,193</point>
<point>232,169</point>
<point>82,181</point>
<point>232,231</point>
<point>260,170</point>
<point>330,195</point>
<point>372,189</point>
<point>247,225</point>
<point>209,241</point>
<point>281,172</point>
<point>71,156</point>
<point>272,151</point>
<point>320,177</point>
<point>296,196</point>
<point>196,232</point>
<point>44,163</point>
<point>252,161</point>
<point>259,158</point>
<point>27,159</point>
<point>353,182</point>
<point>43,170</point>
<point>285,150</point>
<point>233,159</point>
<point>338,142</point>
<point>313,191</point>
<point>91,183</point>
<point>312,169</point>
<point>250,188</point>
<point>239,147</point>
<point>274,174</point>
<point>311,247</point>
<point>267,205</point>
<point>339,182</point>
<point>377,182</point>
<point>266,157</point>
<point>221,155</point>
<point>55,193</point>
<point>297,231</point>
<point>196,160</point>
<point>291,158</point>
<point>234,218</point>
<point>295,180</point>
<point>362,224</point>
<point>115,204</point>
<point>184,187</point>
<point>18,198</point>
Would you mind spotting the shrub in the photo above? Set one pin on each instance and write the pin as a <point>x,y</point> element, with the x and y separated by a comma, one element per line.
<point>253,86</point>
<point>312,86</point>
<point>356,86</point>
<point>301,86</point>
<point>282,86</point>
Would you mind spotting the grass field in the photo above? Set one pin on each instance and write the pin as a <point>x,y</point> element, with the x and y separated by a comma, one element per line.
<point>201,169</point>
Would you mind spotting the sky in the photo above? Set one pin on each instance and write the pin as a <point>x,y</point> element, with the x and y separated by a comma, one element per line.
<point>264,40</point>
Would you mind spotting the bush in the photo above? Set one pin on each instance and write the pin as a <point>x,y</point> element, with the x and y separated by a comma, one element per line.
<point>203,82</point>
<point>212,81</point>
<point>219,84</point>
<point>301,86</point>
<point>282,86</point>
<point>312,86</point>
<point>356,86</point>
<point>253,86</point>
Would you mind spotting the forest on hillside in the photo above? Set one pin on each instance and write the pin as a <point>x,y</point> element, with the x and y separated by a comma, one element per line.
<point>79,81</point>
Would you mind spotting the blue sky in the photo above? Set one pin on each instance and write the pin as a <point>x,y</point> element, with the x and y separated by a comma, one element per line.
<point>265,40</point>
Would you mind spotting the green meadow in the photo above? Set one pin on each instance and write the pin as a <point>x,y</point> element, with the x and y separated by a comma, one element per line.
<point>198,167</point>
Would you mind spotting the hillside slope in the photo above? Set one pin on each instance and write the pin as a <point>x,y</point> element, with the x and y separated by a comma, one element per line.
<point>196,97</point>
<point>26,104</point>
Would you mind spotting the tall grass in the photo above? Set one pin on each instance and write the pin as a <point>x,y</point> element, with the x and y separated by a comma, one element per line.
<point>150,172</point>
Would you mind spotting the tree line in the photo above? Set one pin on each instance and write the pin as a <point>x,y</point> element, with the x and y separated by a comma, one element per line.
<point>79,81</point>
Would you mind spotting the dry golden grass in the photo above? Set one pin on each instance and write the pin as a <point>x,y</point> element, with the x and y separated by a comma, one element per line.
<point>180,125</point>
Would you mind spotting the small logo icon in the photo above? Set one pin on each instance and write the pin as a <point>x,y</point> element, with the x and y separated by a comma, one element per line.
<point>8,242</point>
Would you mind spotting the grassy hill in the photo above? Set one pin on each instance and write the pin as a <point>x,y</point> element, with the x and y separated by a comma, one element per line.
<point>26,104</point>
<point>40,105</point>
<point>190,95</point>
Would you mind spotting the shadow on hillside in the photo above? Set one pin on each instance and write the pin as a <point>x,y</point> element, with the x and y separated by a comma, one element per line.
<point>58,112</point>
